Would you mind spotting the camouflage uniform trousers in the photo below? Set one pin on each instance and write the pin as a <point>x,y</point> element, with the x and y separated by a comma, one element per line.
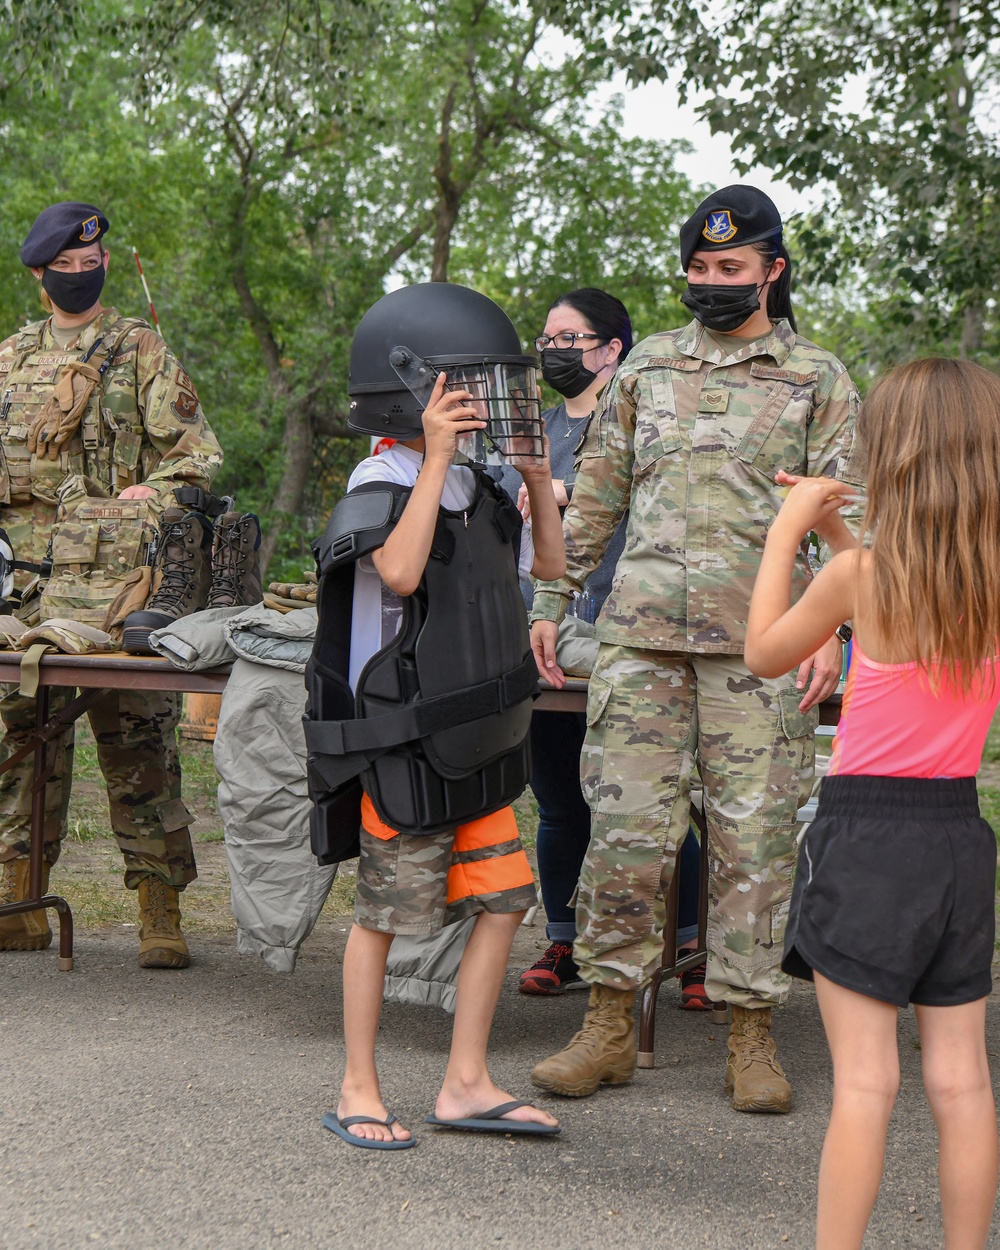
<point>653,717</point>
<point>137,752</point>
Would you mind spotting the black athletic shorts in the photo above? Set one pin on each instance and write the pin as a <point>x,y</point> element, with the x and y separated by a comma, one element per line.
<point>894,891</point>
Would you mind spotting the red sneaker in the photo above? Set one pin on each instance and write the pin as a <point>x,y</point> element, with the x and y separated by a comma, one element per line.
<point>693,996</point>
<point>555,973</point>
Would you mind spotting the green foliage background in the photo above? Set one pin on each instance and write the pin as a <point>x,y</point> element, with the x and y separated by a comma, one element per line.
<point>280,166</point>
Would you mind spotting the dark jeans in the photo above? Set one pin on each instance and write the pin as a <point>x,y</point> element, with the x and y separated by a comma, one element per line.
<point>564,827</point>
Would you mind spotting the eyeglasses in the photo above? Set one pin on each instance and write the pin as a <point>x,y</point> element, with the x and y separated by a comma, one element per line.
<point>565,338</point>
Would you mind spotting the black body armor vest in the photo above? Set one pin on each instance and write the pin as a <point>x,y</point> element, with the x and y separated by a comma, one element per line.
<point>437,728</point>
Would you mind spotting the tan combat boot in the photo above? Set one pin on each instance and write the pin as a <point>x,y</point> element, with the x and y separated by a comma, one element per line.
<point>161,943</point>
<point>602,1053</point>
<point>754,1077</point>
<point>30,930</point>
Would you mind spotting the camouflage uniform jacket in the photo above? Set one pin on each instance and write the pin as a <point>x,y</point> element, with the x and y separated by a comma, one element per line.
<point>688,440</point>
<point>143,423</point>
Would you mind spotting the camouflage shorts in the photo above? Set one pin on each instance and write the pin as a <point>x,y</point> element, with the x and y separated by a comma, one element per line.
<point>417,883</point>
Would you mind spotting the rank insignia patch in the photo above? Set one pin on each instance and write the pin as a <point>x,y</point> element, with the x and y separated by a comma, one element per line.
<point>90,230</point>
<point>719,227</point>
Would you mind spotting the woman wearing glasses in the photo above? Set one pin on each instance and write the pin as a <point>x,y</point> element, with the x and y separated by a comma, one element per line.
<point>689,438</point>
<point>586,333</point>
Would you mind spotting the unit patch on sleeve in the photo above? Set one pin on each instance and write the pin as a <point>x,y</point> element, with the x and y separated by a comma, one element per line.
<point>185,407</point>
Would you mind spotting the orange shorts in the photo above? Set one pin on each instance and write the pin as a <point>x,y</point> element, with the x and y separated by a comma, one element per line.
<point>417,883</point>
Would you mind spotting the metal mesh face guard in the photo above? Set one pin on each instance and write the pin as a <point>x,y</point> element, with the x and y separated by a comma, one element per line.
<point>504,394</point>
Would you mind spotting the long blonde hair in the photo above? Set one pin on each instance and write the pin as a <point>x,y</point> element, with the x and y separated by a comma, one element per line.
<point>931,431</point>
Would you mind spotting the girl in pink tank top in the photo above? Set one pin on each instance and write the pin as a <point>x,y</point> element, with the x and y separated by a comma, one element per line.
<point>893,901</point>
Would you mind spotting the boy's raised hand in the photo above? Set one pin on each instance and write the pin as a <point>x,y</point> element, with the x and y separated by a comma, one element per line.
<point>531,466</point>
<point>448,414</point>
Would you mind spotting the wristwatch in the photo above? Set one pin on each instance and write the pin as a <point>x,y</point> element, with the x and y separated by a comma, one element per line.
<point>844,633</point>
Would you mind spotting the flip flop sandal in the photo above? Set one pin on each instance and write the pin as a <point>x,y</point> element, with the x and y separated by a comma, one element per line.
<point>341,1126</point>
<point>491,1122</point>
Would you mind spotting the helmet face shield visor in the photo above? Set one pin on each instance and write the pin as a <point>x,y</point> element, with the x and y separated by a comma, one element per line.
<point>504,395</point>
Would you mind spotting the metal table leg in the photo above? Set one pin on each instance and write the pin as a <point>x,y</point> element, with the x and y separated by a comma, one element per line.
<point>46,729</point>
<point>671,965</point>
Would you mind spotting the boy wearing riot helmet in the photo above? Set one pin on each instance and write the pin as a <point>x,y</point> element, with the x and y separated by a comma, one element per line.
<point>425,692</point>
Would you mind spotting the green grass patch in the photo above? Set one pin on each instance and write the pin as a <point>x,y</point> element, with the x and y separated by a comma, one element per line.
<point>989,805</point>
<point>97,904</point>
<point>340,900</point>
<point>991,752</point>
<point>213,835</point>
<point>100,900</point>
<point>201,787</point>
<point>526,814</point>
<point>85,826</point>
<point>201,780</point>
<point>85,765</point>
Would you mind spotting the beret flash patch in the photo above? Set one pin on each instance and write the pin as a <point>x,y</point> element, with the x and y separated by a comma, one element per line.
<point>719,227</point>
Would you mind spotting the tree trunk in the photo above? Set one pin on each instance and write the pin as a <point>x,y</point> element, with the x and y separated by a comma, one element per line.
<point>297,437</point>
<point>971,341</point>
<point>297,450</point>
<point>448,198</point>
<point>444,222</point>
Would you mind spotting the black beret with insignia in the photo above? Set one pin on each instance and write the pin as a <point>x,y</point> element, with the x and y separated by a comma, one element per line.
<point>732,217</point>
<point>61,227</point>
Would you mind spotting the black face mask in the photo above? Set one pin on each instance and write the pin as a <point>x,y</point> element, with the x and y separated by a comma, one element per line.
<point>74,292</point>
<point>563,369</point>
<point>725,307</point>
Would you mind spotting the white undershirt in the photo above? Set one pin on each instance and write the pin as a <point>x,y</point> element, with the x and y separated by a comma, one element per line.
<point>377,611</point>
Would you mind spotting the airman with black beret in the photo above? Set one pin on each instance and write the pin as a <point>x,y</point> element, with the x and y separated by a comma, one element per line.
<point>61,228</point>
<point>732,217</point>
<point>89,396</point>
<point>690,436</point>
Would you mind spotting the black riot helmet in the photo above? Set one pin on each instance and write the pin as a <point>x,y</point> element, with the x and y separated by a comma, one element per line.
<point>411,335</point>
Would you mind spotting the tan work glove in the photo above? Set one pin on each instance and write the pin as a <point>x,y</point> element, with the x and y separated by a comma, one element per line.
<point>60,419</point>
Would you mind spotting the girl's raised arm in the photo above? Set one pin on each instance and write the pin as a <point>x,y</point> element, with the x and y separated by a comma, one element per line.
<point>779,635</point>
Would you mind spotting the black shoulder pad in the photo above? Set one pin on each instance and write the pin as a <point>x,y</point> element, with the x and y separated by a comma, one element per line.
<point>360,523</point>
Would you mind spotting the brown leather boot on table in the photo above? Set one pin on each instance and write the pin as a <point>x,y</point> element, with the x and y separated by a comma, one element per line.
<point>161,943</point>
<point>755,1080</point>
<point>30,930</point>
<point>182,577</point>
<point>602,1053</point>
<point>236,562</point>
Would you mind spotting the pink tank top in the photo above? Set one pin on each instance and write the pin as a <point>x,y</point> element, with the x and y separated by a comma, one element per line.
<point>892,725</point>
